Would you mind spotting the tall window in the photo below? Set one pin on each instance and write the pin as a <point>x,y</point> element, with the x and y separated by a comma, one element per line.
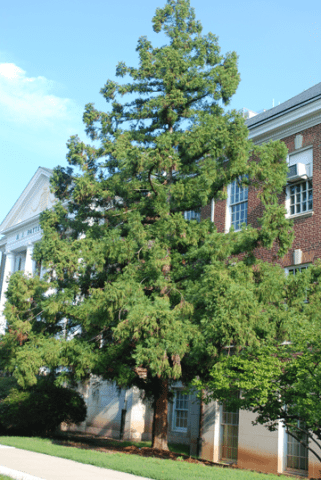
<point>297,455</point>
<point>180,411</point>
<point>229,434</point>
<point>238,204</point>
<point>19,262</point>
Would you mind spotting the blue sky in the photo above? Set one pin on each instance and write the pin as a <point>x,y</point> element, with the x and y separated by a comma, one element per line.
<point>55,56</point>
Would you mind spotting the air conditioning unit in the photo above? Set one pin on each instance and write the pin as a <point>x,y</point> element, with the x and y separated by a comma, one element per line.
<point>298,171</point>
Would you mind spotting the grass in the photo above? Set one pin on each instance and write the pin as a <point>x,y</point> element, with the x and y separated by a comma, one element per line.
<point>153,468</point>
<point>4,477</point>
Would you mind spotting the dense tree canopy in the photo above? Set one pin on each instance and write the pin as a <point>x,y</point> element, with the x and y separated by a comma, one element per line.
<point>280,381</point>
<point>139,294</point>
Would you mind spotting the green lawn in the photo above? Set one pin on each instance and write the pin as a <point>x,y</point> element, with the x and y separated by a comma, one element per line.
<point>4,477</point>
<point>146,467</point>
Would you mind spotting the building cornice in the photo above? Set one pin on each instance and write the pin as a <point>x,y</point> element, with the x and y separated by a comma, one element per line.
<point>22,225</point>
<point>290,123</point>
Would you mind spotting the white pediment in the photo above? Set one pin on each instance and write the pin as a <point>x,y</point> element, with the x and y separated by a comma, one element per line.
<point>35,198</point>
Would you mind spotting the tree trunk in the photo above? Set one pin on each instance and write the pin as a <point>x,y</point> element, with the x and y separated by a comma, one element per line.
<point>160,423</point>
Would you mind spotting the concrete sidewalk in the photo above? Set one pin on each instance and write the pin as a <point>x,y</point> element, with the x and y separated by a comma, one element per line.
<point>24,465</point>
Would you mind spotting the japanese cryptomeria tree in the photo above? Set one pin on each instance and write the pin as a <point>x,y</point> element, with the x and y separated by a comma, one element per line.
<point>125,268</point>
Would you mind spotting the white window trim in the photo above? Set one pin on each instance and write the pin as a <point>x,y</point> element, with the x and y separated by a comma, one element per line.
<point>221,434</point>
<point>228,210</point>
<point>212,210</point>
<point>287,198</point>
<point>299,471</point>
<point>174,427</point>
<point>287,203</point>
<point>291,267</point>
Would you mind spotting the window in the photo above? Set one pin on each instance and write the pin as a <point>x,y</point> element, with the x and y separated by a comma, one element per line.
<point>180,411</point>
<point>19,262</point>
<point>236,205</point>
<point>294,270</point>
<point>301,197</point>
<point>299,191</point>
<point>297,454</point>
<point>192,215</point>
<point>229,434</point>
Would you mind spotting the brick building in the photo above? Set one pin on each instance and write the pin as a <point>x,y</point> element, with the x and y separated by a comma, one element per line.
<point>297,122</point>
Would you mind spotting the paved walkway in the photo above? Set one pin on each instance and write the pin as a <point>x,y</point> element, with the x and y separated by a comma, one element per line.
<point>24,465</point>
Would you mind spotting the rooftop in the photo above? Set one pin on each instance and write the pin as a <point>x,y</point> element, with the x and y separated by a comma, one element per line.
<point>303,98</point>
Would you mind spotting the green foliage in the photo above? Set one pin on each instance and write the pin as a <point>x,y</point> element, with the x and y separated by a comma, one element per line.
<point>6,384</point>
<point>40,409</point>
<point>280,380</point>
<point>134,286</point>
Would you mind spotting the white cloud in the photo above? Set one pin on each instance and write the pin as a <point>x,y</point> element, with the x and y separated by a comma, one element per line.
<point>10,70</point>
<point>29,101</point>
<point>35,123</point>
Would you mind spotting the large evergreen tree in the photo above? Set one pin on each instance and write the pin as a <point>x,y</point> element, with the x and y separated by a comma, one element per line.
<point>141,295</point>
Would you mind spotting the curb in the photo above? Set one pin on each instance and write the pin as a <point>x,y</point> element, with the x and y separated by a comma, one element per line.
<point>17,475</point>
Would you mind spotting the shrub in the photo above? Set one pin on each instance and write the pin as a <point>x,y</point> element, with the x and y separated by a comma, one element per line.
<point>41,409</point>
<point>6,384</point>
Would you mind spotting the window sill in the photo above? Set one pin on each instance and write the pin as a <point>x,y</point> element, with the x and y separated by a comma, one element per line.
<point>300,215</point>
<point>229,462</point>
<point>293,471</point>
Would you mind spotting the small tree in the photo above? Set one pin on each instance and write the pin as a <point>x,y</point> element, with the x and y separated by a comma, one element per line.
<point>138,285</point>
<point>280,381</point>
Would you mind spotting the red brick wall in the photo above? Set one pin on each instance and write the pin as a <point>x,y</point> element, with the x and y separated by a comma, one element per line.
<point>307,230</point>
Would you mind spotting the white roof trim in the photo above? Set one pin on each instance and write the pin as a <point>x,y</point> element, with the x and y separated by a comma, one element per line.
<point>6,222</point>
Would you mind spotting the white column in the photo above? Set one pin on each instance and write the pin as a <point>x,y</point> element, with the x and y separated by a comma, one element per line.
<point>282,447</point>
<point>217,432</point>
<point>212,210</point>
<point>29,262</point>
<point>8,269</point>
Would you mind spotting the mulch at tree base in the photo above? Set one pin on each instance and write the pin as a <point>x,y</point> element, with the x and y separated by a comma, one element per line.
<point>92,442</point>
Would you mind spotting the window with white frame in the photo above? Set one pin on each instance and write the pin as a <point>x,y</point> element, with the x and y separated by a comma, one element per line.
<point>297,454</point>
<point>192,215</point>
<point>180,411</point>
<point>301,197</point>
<point>295,269</point>
<point>237,205</point>
<point>229,434</point>
<point>299,192</point>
